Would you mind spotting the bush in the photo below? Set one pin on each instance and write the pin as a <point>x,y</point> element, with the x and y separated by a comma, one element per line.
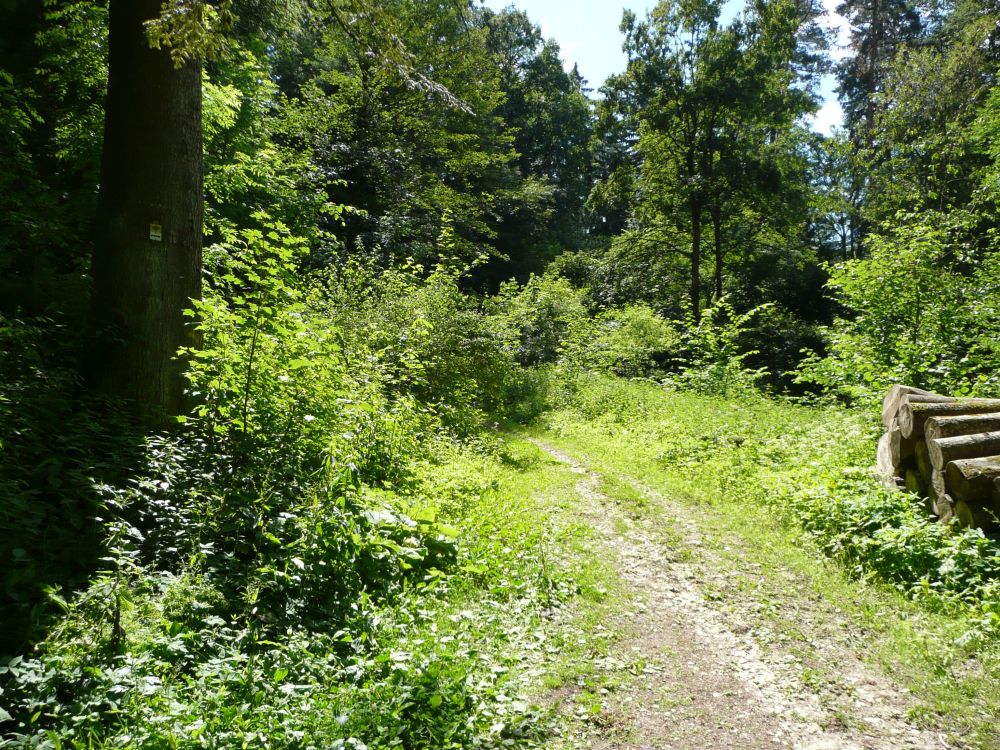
<point>422,337</point>
<point>539,317</point>
<point>631,342</point>
<point>921,309</point>
<point>713,360</point>
<point>53,444</point>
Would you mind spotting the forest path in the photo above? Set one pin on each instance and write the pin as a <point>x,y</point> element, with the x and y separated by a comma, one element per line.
<point>713,673</point>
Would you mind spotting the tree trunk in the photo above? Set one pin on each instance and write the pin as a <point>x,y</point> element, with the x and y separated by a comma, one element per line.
<point>972,479</point>
<point>923,459</point>
<point>895,454</point>
<point>944,507</point>
<point>902,448</point>
<point>969,424</point>
<point>976,515</point>
<point>717,239</point>
<point>898,393</point>
<point>938,484</point>
<point>946,450</point>
<point>695,289</point>
<point>912,417</point>
<point>147,255</point>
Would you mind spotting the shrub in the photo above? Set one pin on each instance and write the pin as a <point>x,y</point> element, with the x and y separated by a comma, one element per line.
<point>632,342</point>
<point>713,360</point>
<point>539,317</point>
<point>922,308</point>
<point>53,443</point>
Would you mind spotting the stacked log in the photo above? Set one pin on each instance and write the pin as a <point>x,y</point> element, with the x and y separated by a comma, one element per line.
<point>946,450</point>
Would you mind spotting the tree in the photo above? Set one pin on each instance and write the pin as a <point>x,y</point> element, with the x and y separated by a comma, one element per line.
<point>53,76</point>
<point>546,111</point>
<point>713,106</point>
<point>878,29</point>
<point>682,64</point>
<point>147,256</point>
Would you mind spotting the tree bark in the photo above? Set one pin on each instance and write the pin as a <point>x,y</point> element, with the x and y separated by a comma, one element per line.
<point>147,256</point>
<point>895,454</point>
<point>694,291</point>
<point>971,514</point>
<point>973,479</point>
<point>969,424</point>
<point>717,239</point>
<point>902,448</point>
<point>883,458</point>
<point>912,417</point>
<point>923,459</point>
<point>944,507</point>
<point>894,399</point>
<point>938,485</point>
<point>946,450</point>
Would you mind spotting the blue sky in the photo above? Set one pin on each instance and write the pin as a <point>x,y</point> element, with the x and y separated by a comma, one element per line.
<point>587,33</point>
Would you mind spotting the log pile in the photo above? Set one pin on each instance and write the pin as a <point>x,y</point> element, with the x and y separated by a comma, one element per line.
<point>947,450</point>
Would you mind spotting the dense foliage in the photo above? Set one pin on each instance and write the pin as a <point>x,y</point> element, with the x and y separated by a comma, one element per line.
<point>419,228</point>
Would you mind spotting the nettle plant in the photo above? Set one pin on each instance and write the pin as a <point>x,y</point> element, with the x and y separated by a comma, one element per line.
<point>262,369</point>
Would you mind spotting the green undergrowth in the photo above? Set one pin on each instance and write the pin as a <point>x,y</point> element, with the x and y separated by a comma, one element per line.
<point>795,483</point>
<point>448,658</point>
<point>326,552</point>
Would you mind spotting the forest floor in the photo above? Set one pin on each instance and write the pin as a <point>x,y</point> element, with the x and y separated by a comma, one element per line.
<point>707,670</point>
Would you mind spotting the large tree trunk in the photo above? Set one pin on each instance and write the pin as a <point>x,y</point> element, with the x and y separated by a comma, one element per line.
<point>695,289</point>
<point>717,240</point>
<point>147,255</point>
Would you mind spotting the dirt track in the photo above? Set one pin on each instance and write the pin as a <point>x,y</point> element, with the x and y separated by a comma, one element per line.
<point>715,676</point>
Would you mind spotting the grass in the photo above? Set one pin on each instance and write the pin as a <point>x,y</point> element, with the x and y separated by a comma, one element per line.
<point>454,659</point>
<point>514,643</point>
<point>748,470</point>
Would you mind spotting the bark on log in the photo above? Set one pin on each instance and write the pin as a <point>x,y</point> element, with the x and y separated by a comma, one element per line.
<point>900,447</point>
<point>883,459</point>
<point>944,451</point>
<point>923,460</point>
<point>912,418</point>
<point>944,506</point>
<point>967,424</point>
<point>886,468</point>
<point>895,454</point>
<point>972,479</point>
<point>893,399</point>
